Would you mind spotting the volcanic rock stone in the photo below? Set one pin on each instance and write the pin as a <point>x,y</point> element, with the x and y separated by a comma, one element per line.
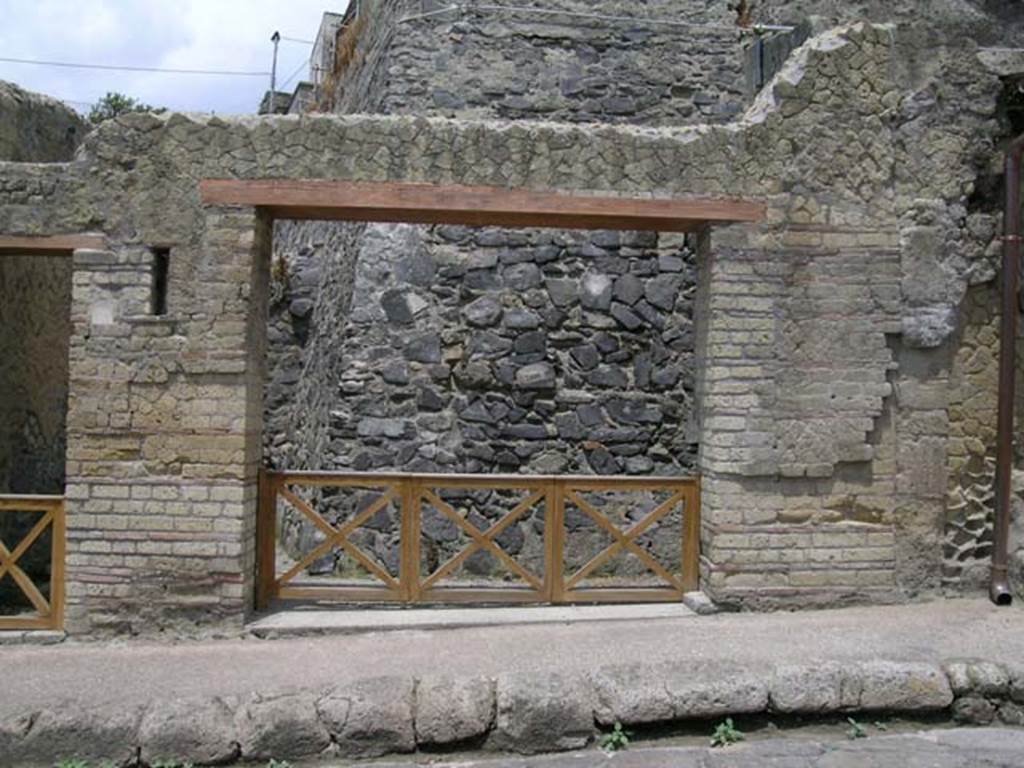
<point>536,376</point>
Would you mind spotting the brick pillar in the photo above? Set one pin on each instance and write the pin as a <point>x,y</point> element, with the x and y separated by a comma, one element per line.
<point>164,431</point>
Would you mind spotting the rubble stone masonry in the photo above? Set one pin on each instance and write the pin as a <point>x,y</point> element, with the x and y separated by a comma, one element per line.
<point>823,337</point>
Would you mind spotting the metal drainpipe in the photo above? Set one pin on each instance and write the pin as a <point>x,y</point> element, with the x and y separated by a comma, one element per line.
<point>999,587</point>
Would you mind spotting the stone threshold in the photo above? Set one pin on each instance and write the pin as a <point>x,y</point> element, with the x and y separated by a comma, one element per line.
<point>311,621</point>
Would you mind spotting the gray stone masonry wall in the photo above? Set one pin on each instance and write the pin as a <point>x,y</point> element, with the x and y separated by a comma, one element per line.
<point>468,412</point>
<point>480,62</point>
<point>487,350</point>
<point>512,65</point>
<point>35,128</point>
<point>846,149</point>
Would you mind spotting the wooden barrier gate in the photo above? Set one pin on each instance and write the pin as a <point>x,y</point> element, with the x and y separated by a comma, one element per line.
<point>413,494</point>
<point>49,611</point>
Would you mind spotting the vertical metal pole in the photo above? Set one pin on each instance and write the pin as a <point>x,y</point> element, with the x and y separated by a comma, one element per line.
<point>276,40</point>
<point>999,588</point>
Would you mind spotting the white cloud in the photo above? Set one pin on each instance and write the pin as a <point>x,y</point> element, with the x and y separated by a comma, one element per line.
<point>189,34</point>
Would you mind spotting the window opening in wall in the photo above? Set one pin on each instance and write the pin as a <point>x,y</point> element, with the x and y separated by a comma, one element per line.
<point>161,265</point>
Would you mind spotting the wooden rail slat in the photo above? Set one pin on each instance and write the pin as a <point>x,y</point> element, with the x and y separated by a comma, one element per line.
<point>473,206</point>
<point>411,491</point>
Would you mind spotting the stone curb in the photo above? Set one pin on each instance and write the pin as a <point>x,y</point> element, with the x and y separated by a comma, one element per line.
<point>515,712</point>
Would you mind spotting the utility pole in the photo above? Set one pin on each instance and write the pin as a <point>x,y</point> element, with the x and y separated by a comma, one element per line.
<point>275,39</point>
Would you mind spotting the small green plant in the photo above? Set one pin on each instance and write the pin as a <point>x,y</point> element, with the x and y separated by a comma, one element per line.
<point>726,733</point>
<point>279,764</point>
<point>616,740</point>
<point>856,730</point>
<point>881,726</point>
<point>73,763</point>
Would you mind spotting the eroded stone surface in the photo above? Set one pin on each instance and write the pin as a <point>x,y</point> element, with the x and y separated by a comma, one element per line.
<point>453,710</point>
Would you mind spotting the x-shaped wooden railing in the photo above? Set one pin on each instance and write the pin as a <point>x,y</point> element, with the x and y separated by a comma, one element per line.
<point>49,613</point>
<point>412,494</point>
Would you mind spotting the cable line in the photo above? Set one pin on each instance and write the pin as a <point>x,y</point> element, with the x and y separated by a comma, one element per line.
<point>70,65</point>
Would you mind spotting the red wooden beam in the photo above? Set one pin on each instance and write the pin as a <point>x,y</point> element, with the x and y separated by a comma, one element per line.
<point>475,206</point>
<point>64,244</point>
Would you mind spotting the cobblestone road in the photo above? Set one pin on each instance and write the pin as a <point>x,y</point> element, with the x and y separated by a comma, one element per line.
<point>954,748</point>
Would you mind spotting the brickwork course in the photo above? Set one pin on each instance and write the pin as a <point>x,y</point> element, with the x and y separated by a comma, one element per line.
<point>836,348</point>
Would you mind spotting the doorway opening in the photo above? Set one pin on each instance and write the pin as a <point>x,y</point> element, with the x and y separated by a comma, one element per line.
<point>437,384</point>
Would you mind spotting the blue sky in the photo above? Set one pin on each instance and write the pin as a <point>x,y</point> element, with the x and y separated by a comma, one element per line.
<point>184,34</point>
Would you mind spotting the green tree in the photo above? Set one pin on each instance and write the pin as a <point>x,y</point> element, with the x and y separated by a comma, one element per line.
<point>114,104</point>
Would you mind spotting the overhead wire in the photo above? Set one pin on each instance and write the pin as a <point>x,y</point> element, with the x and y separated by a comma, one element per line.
<point>292,76</point>
<point>128,68</point>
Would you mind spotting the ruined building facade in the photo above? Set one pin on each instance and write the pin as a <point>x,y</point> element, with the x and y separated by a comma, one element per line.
<point>828,373</point>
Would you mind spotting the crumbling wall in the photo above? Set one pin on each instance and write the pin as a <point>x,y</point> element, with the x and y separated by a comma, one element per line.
<point>165,419</point>
<point>35,128</point>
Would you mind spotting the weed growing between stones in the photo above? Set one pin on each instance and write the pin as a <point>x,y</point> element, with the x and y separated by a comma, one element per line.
<point>726,733</point>
<point>616,740</point>
<point>856,730</point>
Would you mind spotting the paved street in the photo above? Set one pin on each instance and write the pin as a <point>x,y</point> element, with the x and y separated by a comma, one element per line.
<point>140,672</point>
<point>955,748</point>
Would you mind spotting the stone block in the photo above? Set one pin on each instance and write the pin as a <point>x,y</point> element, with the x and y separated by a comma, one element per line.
<point>806,688</point>
<point>542,713</point>
<point>285,727</point>
<point>200,731</point>
<point>370,718</point>
<point>450,710</point>
<point>897,686</point>
<point>632,694</point>
<point>71,731</point>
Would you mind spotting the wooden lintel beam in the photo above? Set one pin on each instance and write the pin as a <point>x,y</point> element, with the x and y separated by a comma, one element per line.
<point>29,244</point>
<point>474,206</point>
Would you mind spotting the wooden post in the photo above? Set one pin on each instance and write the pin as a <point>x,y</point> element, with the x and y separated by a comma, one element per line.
<point>554,529</point>
<point>691,539</point>
<point>410,542</point>
<point>266,540</point>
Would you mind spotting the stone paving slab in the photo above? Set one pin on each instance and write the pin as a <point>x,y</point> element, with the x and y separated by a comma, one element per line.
<point>954,748</point>
<point>522,688</point>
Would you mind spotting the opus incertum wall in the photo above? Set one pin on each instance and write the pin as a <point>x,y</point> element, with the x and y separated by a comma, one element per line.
<point>822,333</point>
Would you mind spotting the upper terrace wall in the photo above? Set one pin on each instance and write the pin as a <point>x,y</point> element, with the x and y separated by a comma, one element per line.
<point>824,343</point>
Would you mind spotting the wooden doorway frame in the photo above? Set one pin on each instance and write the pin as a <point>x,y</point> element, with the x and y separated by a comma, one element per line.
<point>400,202</point>
<point>431,204</point>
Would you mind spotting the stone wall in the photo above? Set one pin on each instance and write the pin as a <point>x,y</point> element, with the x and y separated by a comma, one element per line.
<point>165,420</point>
<point>468,413</point>
<point>35,301</point>
<point>487,351</point>
<point>575,67</point>
<point>35,128</point>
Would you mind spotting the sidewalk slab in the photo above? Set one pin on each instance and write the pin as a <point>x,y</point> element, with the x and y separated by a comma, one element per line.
<point>954,748</point>
<point>523,687</point>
